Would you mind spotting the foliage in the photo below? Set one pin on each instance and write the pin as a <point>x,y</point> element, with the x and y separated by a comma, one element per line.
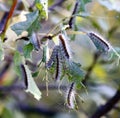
<point>30,25</point>
<point>82,4</point>
<point>64,53</point>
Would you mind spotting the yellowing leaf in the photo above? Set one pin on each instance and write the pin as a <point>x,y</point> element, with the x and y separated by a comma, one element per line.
<point>45,6</point>
<point>99,71</point>
<point>56,40</point>
<point>32,87</point>
<point>42,5</point>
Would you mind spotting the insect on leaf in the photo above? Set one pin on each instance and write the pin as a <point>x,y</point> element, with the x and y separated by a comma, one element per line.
<point>64,46</point>
<point>24,75</point>
<point>52,57</point>
<point>71,96</point>
<point>58,68</point>
<point>32,87</point>
<point>99,42</point>
<point>34,41</point>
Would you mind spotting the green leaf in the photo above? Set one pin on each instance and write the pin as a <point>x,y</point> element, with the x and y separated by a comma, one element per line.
<point>75,72</point>
<point>32,87</point>
<point>35,74</point>
<point>45,54</point>
<point>1,51</point>
<point>82,4</point>
<point>17,58</point>
<point>42,6</point>
<point>27,50</point>
<point>112,54</point>
<point>17,62</point>
<point>7,113</point>
<point>30,25</point>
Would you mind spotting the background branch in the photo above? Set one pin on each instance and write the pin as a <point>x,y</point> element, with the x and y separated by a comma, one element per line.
<point>9,15</point>
<point>103,110</point>
<point>36,110</point>
<point>89,71</point>
<point>22,87</point>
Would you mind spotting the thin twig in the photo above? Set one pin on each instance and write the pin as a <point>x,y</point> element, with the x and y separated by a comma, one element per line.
<point>22,87</point>
<point>96,57</point>
<point>3,22</point>
<point>9,15</point>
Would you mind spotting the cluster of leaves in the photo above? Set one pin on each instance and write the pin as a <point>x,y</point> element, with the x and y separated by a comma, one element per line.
<point>32,24</point>
<point>73,70</point>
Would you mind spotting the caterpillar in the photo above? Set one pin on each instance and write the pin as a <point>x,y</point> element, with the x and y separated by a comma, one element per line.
<point>76,9</point>
<point>64,47</point>
<point>58,67</point>
<point>34,40</point>
<point>52,57</point>
<point>100,43</point>
<point>71,96</point>
<point>24,75</point>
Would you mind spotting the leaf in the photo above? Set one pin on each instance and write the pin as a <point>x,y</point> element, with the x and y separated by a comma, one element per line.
<point>76,73</point>
<point>17,62</point>
<point>1,51</point>
<point>45,6</point>
<point>35,74</point>
<point>30,25</point>
<point>32,87</point>
<point>112,54</point>
<point>27,50</point>
<point>42,6</point>
<point>45,54</point>
<point>82,5</point>
<point>17,58</point>
<point>7,113</point>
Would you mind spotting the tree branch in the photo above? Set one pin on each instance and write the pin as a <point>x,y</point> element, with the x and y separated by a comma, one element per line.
<point>9,15</point>
<point>36,110</point>
<point>103,110</point>
<point>96,57</point>
<point>22,87</point>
